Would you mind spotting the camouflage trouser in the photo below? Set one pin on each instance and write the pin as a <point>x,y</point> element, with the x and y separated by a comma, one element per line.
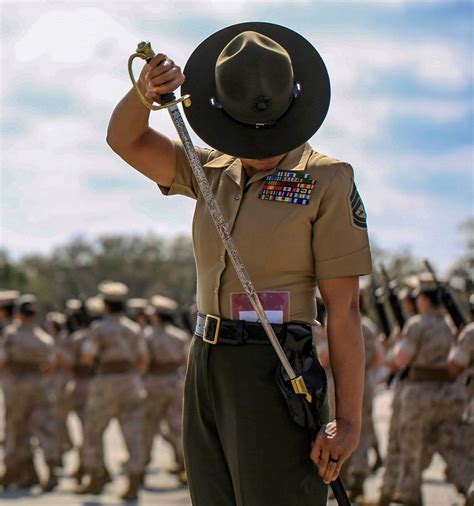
<point>57,385</point>
<point>163,406</point>
<point>77,391</point>
<point>392,460</point>
<point>28,412</point>
<point>357,466</point>
<point>427,407</point>
<point>118,396</point>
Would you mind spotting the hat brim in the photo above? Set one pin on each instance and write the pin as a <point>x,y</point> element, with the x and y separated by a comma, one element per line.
<point>300,122</point>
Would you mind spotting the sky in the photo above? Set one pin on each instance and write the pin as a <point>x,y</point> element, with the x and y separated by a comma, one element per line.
<point>401,113</point>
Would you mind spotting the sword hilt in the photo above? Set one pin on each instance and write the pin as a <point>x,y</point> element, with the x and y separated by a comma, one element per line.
<point>145,52</point>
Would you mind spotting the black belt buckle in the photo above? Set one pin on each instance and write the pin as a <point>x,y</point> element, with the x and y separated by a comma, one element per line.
<point>212,326</point>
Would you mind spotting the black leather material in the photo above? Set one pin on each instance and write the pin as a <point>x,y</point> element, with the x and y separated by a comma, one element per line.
<point>236,332</point>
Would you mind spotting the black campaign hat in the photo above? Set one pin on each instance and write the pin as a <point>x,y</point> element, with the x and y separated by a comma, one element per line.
<point>257,90</point>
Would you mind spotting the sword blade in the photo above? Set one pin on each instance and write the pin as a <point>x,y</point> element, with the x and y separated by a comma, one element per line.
<point>223,230</point>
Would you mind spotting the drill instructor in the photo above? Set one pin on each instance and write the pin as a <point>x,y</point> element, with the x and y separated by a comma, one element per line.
<point>259,92</point>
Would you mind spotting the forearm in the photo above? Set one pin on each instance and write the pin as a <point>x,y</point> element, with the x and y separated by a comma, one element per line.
<point>346,349</point>
<point>129,120</point>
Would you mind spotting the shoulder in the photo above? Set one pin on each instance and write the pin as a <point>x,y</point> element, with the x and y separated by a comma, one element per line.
<point>413,323</point>
<point>369,326</point>
<point>325,168</point>
<point>130,325</point>
<point>176,332</point>
<point>10,329</point>
<point>466,338</point>
<point>44,337</point>
<point>96,325</point>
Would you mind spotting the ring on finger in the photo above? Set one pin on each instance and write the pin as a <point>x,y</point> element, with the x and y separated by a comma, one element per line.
<point>333,460</point>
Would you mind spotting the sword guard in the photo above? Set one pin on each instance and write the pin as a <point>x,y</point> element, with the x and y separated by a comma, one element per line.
<point>145,52</point>
<point>299,387</point>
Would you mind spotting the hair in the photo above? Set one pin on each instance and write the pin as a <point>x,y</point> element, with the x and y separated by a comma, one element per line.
<point>412,301</point>
<point>166,317</point>
<point>432,296</point>
<point>9,310</point>
<point>27,310</point>
<point>114,306</point>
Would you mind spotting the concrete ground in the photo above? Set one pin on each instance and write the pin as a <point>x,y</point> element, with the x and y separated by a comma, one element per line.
<point>163,489</point>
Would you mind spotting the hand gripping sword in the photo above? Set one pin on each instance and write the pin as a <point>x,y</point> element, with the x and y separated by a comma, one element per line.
<point>170,102</point>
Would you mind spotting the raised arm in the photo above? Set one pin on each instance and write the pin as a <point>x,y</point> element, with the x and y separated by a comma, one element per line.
<point>129,133</point>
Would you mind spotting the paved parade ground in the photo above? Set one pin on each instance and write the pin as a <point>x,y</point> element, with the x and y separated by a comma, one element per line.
<point>163,489</point>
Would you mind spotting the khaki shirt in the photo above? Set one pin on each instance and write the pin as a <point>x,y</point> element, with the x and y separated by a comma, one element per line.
<point>285,247</point>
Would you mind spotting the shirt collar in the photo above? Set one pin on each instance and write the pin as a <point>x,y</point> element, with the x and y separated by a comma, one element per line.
<point>296,160</point>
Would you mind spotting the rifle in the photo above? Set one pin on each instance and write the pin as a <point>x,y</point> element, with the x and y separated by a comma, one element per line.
<point>448,300</point>
<point>393,299</point>
<point>378,301</point>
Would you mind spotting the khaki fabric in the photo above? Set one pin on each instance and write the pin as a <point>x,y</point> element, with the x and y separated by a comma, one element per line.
<point>427,338</point>
<point>285,247</point>
<point>463,352</point>
<point>167,345</point>
<point>116,338</point>
<point>27,344</point>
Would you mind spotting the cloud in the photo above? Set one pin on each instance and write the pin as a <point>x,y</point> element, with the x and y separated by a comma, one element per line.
<point>64,69</point>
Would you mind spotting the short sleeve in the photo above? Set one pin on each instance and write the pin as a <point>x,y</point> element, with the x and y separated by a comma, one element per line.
<point>410,337</point>
<point>91,343</point>
<point>4,343</point>
<point>184,181</point>
<point>142,350</point>
<point>340,240</point>
<point>463,352</point>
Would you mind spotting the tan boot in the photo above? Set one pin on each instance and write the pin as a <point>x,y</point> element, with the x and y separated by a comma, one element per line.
<point>183,478</point>
<point>97,482</point>
<point>131,494</point>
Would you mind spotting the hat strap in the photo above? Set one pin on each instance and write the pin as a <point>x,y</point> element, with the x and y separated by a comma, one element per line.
<point>295,92</point>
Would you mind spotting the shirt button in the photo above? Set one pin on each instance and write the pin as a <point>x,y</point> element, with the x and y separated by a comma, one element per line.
<point>221,258</point>
<point>237,197</point>
<point>215,289</point>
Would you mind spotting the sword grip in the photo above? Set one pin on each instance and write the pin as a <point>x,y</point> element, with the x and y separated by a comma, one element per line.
<point>167,97</point>
<point>340,493</point>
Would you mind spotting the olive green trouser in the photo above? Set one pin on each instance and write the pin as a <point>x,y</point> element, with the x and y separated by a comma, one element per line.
<point>241,446</point>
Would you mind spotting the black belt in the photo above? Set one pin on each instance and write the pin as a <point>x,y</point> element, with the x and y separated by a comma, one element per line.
<point>213,330</point>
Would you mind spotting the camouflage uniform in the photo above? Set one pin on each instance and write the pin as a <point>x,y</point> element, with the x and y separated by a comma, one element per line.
<point>117,391</point>
<point>78,386</point>
<point>168,348</point>
<point>58,380</point>
<point>427,404</point>
<point>356,468</point>
<point>26,351</point>
<point>463,355</point>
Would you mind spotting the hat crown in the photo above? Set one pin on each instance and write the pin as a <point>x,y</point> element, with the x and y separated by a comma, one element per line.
<point>254,78</point>
<point>113,291</point>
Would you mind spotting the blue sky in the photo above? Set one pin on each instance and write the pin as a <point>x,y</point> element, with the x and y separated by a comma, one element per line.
<point>401,113</point>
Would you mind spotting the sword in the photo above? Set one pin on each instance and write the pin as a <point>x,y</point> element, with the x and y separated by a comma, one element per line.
<point>170,102</point>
